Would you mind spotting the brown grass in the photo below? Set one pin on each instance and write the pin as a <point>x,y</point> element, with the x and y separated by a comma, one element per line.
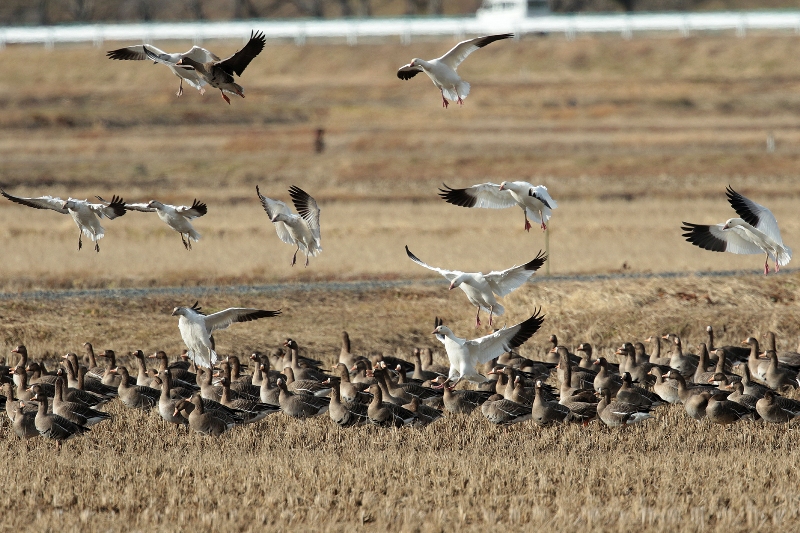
<point>286,474</point>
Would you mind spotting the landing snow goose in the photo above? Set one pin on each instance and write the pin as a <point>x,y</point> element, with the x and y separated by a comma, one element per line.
<point>196,328</point>
<point>218,73</point>
<point>481,288</point>
<point>442,70</point>
<point>84,214</point>
<point>176,217</point>
<point>534,200</point>
<point>302,229</point>
<point>754,231</point>
<point>201,55</point>
<point>465,354</point>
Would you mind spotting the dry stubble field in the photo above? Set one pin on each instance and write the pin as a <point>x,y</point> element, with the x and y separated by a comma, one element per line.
<point>631,137</point>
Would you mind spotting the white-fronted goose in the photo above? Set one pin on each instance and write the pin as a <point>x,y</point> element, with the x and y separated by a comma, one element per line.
<point>23,421</point>
<point>442,70</point>
<point>236,372</point>
<point>53,426</point>
<point>582,407</point>
<point>77,377</point>
<point>722,411</point>
<point>777,409</point>
<point>110,378</point>
<point>300,371</point>
<point>701,373</point>
<point>789,359</point>
<point>684,363</point>
<point>255,411</point>
<point>199,54</point>
<point>481,289</point>
<point>385,414</point>
<point>348,391</point>
<point>300,405</point>
<point>500,411</point>
<point>178,373</point>
<point>358,373</point>
<point>72,394</point>
<point>78,413</point>
<point>411,389</point>
<point>425,413</point>
<point>696,405</point>
<point>585,351</point>
<point>578,379</point>
<point>239,389</point>
<point>90,360</point>
<point>306,386</point>
<point>778,377</point>
<point>750,387</point>
<point>738,396</point>
<point>756,365</point>
<point>604,379</point>
<point>655,356</point>
<point>142,377</point>
<point>196,328</point>
<point>301,229</point>
<point>732,353</point>
<point>640,372</point>
<point>176,217</point>
<point>419,373</point>
<point>217,72</point>
<point>724,368</point>
<point>395,396</point>
<point>754,231</point>
<point>346,414</point>
<point>346,357</point>
<point>167,404</point>
<point>547,413</point>
<point>616,413</point>
<point>428,364</point>
<point>462,401</point>
<point>631,394</point>
<point>83,213</point>
<point>685,391</point>
<point>465,355</point>
<point>135,396</point>
<point>206,422</point>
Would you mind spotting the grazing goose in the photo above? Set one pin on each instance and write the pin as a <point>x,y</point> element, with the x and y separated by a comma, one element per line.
<point>53,426</point>
<point>738,396</point>
<point>697,404</point>
<point>201,55</point>
<point>176,217</point>
<point>300,405</point>
<point>482,289</point>
<point>617,413</point>
<point>462,401</point>
<point>722,411</point>
<point>754,231</point>
<point>502,412</point>
<point>465,354</point>
<point>305,386</point>
<point>203,421</point>
<point>302,229</point>
<point>346,414</point>
<point>777,409</point>
<point>216,72</point>
<point>545,413</point>
<point>442,70</point>
<point>534,200</point>
<point>637,395</point>
<point>196,328</point>
<point>83,213</point>
<point>135,396</point>
<point>76,412</point>
<point>385,414</point>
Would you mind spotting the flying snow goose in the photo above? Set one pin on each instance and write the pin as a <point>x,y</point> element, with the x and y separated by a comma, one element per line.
<point>196,328</point>
<point>754,231</point>
<point>465,354</point>
<point>83,213</point>
<point>481,288</point>
<point>201,55</point>
<point>301,229</point>
<point>534,200</point>
<point>176,217</point>
<point>442,70</point>
<point>218,73</point>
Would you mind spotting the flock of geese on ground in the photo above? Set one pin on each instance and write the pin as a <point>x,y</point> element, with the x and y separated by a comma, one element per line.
<point>722,384</point>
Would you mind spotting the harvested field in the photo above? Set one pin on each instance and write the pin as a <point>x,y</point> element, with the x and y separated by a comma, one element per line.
<point>631,138</point>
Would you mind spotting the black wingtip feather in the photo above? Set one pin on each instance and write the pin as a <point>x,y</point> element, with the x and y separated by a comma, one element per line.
<point>739,204</point>
<point>200,207</point>
<point>537,262</point>
<point>457,197</point>
<point>261,313</point>
<point>527,329</point>
<point>699,235</point>
<point>492,38</point>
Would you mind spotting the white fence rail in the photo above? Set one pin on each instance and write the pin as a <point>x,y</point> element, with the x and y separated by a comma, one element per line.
<point>406,28</point>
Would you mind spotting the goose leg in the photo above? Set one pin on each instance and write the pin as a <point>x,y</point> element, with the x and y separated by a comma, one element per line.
<point>294,257</point>
<point>541,216</point>
<point>766,265</point>
<point>180,89</point>
<point>306,259</point>
<point>225,97</point>
<point>96,246</point>
<point>189,241</point>
<point>527,224</point>
<point>478,318</point>
<point>491,310</point>
<point>184,242</point>
<point>80,242</point>
<point>459,101</point>
<point>444,100</point>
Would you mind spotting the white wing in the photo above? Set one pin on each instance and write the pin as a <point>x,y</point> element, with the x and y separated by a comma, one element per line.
<point>449,274</point>
<point>714,238</point>
<point>197,209</point>
<point>486,195</point>
<point>307,208</point>
<point>274,207</point>
<point>486,348</point>
<point>754,214</point>
<point>459,52</point>
<point>223,319</point>
<point>165,59</point>
<point>200,54</point>
<point>42,202</point>
<point>540,191</point>
<point>505,281</point>
<point>113,209</point>
<point>137,207</point>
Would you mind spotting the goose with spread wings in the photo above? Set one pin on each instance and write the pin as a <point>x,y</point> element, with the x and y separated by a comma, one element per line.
<point>442,70</point>
<point>465,354</point>
<point>481,288</point>
<point>197,53</point>
<point>176,217</point>
<point>84,214</point>
<point>216,72</point>
<point>755,231</point>
<point>302,229</point>
<point>196,328</point>
<point>534,200</point>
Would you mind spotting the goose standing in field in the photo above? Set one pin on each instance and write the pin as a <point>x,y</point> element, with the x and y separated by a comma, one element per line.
<point>196,328</point>
<point>217,73</point>
<point>442,70</point>
<point>754,231</point>
<point>534,200</point>
<point>176,217</point>
<point>481,288</point>
<point>201,55</point>
<point>465,354</point>
<point>301,229</point>
<point>83,213</point>
<point>53,426</point>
